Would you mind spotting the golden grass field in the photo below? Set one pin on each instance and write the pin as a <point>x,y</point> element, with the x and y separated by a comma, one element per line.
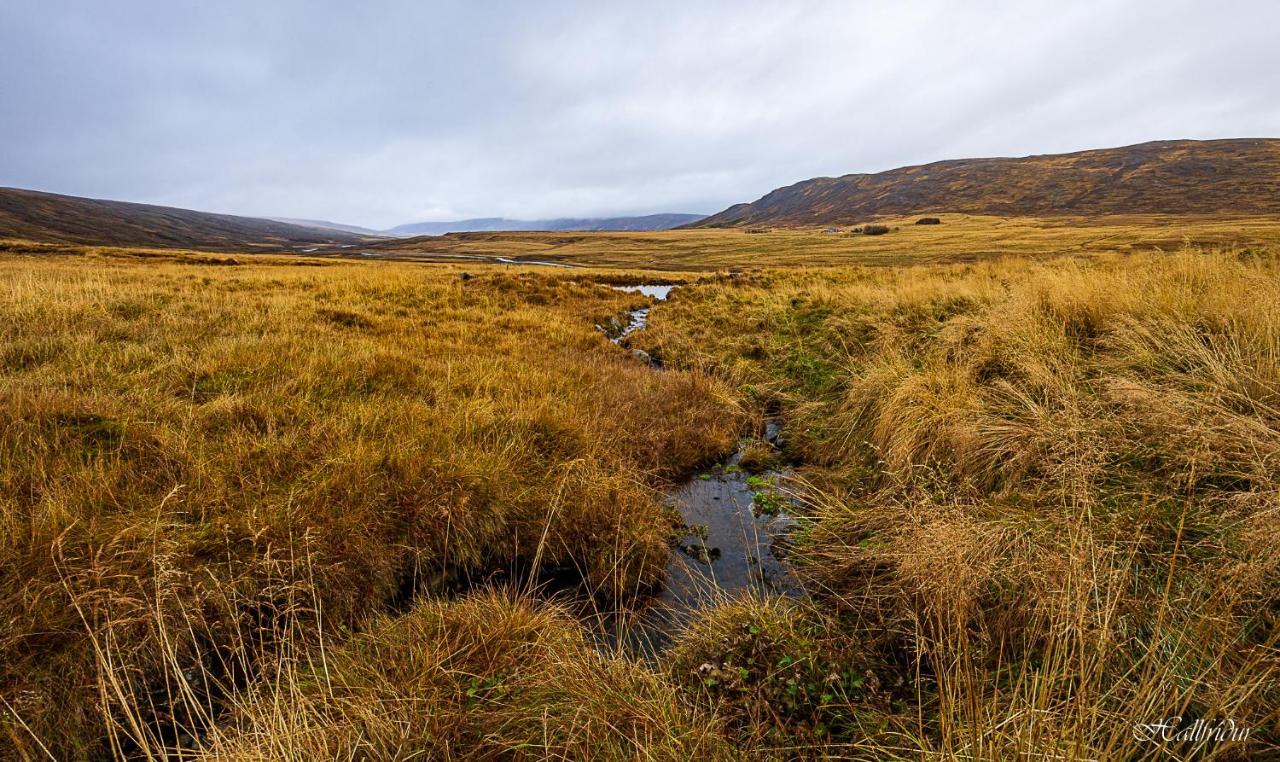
<point>958,238</point>
<point>1039,471</point>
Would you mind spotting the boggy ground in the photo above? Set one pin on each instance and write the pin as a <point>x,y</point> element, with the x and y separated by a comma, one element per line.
<point>1042,508</point>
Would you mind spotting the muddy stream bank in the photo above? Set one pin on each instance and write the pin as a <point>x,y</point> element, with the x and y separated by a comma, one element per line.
<point>733,534</point>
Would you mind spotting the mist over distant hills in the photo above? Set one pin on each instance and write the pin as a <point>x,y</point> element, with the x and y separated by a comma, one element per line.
<point>496,224</point>
<point>326,225</point>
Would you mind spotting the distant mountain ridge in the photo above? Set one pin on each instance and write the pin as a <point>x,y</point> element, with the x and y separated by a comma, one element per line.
<point>53,217</point>
<point>326,225</point>
<point>1176,177</point>
<point>39,216</point>
<point>501,224</point>
<point>1232,176</point>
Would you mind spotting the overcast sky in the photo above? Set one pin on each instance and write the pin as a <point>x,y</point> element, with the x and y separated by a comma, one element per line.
<point>384,112</point>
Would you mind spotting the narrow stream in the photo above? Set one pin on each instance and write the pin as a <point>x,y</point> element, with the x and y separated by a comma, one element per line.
<point>730,540</point>
<point>734,528</point>
<point>639,318</point>
<point>735,525</point>
<point>489,258</point>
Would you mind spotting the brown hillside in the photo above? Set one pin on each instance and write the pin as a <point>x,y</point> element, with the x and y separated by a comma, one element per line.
<point>1167,177</point>
<point>40,216</point>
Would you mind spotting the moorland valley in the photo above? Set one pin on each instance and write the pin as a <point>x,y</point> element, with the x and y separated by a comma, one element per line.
<point>976,459</point>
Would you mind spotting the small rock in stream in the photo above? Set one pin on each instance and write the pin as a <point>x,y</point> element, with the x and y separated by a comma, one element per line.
<point>701,553</point>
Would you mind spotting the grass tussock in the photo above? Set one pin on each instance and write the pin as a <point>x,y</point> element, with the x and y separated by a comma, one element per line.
<point>484,677</point>
<point>783,677</point>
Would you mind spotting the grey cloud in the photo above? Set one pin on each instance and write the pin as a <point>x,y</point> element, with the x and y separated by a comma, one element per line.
<point>386,112</point>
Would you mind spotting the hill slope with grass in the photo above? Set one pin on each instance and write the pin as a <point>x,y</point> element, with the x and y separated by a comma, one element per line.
<point>1238,176</point>
<point>38,216</point>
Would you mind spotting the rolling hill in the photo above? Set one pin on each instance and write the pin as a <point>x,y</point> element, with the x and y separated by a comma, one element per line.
<point>1237,176</point>
<point>38,216</point>
<point>52,217</point>
<point>498,224</point>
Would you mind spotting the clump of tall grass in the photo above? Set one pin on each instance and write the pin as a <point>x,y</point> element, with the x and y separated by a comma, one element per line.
<point>483,677</point>
<point>784,679</point>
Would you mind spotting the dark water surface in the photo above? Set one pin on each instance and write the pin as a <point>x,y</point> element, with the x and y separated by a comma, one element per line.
<point>735,525</point>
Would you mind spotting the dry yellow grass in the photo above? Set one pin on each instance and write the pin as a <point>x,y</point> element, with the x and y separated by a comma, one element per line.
<point>187,450</point>
<point>1042,501</point>
<point>484,677</point>
<point>1045,493</point>
<point>962,238</point>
